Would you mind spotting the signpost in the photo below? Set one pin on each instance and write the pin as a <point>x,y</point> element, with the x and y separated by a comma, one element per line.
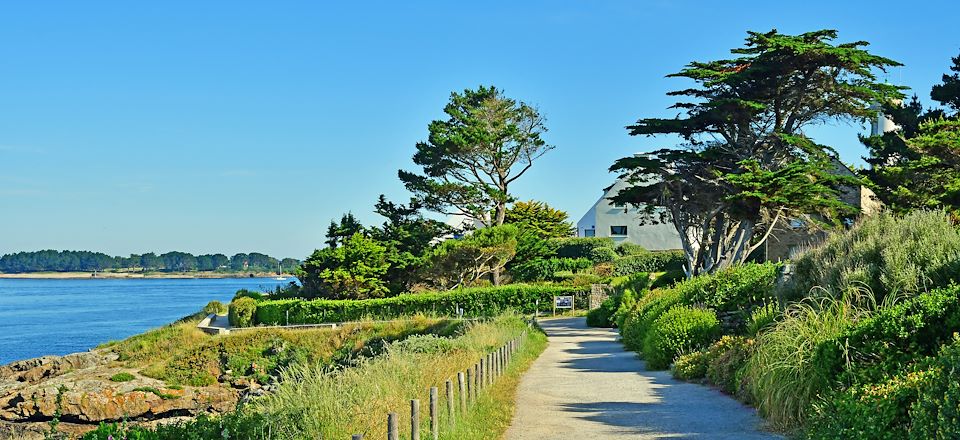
<point>562,302</point>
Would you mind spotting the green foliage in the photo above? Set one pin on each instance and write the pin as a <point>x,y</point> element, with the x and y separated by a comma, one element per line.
<point>745,161</point>
<point>663,261</point>
<point>691,366</point>
<point>642,317</point>
<point>880,345</point>
<point>581,247</point>
<point>545,269</point>
<point>603,316</point>
<point>539,218</point>
<point>214,308</point>
<point>884,253</point>
<point>244,293</point>
<point>408,237</point>
<point>485,252</point>
<point>681,329</point>
<point>727,358</point>
<point>339,233</point>
<point>353,270</point>
<point>628,290</point>
<point>602,254</point>
<point>474,302</point>
<point>485,131</point>
<point>626,249</point>
<point>783,376</point>
<point>762,317</point>
<point>734,289</point>
<point>122,377</point>
<point>241,313</point>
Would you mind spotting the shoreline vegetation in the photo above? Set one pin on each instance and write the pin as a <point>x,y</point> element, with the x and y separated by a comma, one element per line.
<point>137,275</point>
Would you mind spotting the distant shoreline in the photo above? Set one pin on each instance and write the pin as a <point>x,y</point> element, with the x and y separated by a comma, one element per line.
<point>136,275</point>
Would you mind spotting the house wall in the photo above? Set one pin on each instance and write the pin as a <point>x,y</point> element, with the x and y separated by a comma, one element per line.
<point>603,214</point>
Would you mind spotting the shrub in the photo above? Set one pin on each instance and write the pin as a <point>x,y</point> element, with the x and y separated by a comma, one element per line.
<point>629,288</point>
<point>727,357</point>
<point>680,330</point>
<point>242,311</point>
<point>645,312</point>
<point>762,317</point>
<point>581,247</point>
<point>602,316</point>
<point>214,308</point>
<point>544,269</point>
<point>884,253</point>
<point>691,366</point>
<point>649,262</point>
<point>880,345</point>
<point>488,301</point>
<point>627,248</point>
<point>783,379</point>
<point>936,412</point>
<point>244,293</point>
<point>734,289</point>
<point>669,279</point>
<point>600,255</point>
<point>122,377</point>
<point>585,280</point>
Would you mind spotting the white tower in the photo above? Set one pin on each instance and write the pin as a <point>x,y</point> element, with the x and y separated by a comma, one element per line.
<point>881,123</point>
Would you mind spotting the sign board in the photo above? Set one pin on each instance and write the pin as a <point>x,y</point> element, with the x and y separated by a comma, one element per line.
<point>563,302</point>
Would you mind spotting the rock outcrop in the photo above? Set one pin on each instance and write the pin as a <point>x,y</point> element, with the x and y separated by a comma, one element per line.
<point>30,389</point>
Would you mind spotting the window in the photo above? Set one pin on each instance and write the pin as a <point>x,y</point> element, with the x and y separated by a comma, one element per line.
<point>589,232</point>
<point>618,230</point>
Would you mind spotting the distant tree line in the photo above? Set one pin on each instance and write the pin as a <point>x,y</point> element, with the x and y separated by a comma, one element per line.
<point>85,261</point>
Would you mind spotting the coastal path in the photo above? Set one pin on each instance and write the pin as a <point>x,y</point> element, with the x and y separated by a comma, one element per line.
<point>586,386</point>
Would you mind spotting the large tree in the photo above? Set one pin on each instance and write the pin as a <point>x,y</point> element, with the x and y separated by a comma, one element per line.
<point>485,252</point>
<point>540,218</point>
<point>471,158</point>
<point>409,238</point>
<point>916,166</point>
<point>745,162</point>
<point>352,270</point>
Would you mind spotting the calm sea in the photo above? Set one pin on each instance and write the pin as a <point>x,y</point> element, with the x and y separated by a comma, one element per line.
<point>41,317</point>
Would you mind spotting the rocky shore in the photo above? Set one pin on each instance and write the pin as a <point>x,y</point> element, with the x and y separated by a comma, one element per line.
<point>29,391</point>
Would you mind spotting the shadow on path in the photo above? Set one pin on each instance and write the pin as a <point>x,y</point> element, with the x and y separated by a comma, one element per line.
<point>585,385</point>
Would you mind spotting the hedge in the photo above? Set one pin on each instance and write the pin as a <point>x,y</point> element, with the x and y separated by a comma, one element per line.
<point>474,302</point>
<point>664,261</point>
<point>545,269</point>
<point>581,247</point>
<point>241,312</point>
<point>680,330</point>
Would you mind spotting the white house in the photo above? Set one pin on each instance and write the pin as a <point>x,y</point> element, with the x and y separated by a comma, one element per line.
<point>622,224</point>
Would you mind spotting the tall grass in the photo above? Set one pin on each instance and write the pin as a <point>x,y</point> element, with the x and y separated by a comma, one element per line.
<point>783,380</point>
<point>315,401</point>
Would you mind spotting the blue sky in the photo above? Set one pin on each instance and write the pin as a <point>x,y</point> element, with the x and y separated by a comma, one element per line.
<point>247,126</point>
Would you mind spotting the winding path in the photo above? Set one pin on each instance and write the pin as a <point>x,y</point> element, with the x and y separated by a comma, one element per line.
<point>586,386</point>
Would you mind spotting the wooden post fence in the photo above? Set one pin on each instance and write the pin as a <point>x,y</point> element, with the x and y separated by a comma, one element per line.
<point>393,431</point>
<point>450,402</point>
<point>434,416</point>
<point>414,419</point>
<point>460,387</point>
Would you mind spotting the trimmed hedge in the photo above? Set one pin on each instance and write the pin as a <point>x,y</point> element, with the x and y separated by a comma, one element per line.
<point>487,301</point>
<point>241,312</point>
<point>681,329</point>
<point>664,261</point>
<point>581,247</point>
<point>545,269</point>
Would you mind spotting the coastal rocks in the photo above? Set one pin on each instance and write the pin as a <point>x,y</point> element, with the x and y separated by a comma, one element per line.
<point>30,391</point>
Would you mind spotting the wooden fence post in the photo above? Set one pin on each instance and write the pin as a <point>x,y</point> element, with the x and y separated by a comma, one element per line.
<point>356,437</point>
<point>461,389</point>
<point>414,419</point>
<point>470,383</point>
<point>450,402</point>
<point>393,432</point>
<point>434,417</point>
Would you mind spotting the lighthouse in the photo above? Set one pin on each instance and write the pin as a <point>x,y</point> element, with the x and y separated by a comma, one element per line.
<point>881,123</point>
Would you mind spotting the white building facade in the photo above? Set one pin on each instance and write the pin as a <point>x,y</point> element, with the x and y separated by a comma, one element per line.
<point>622,224</point>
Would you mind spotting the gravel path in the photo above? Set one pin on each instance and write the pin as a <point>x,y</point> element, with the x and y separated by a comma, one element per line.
<point>586,386</point>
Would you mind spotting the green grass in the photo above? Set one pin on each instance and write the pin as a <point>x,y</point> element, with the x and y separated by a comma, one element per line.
<point>122,377</point>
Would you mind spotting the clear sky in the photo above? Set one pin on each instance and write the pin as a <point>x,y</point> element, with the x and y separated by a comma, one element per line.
<point>207,126</point>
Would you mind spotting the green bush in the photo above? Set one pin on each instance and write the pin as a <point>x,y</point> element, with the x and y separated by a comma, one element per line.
<point>663,261</point>
<point>214,308</point>
<point>486,301</point>
<point>936,412</point>
<point>727,358</point>
<point>762,317</point>
<point>581,247</point>
<point>735,289</point>
<point>646,311</point>
<point>545,269</point>
<point>122,377</point>
<point>681,329</point>
<point>879,346</point>
<point>242,311</point>
<point>602,316</point>
<point>669,279</point>
<point>244,293</point>
<point>627,248</point>
<point>691,366</point>
<point>629,289</point>
<point>600,255</point>
<point>883,253</point>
